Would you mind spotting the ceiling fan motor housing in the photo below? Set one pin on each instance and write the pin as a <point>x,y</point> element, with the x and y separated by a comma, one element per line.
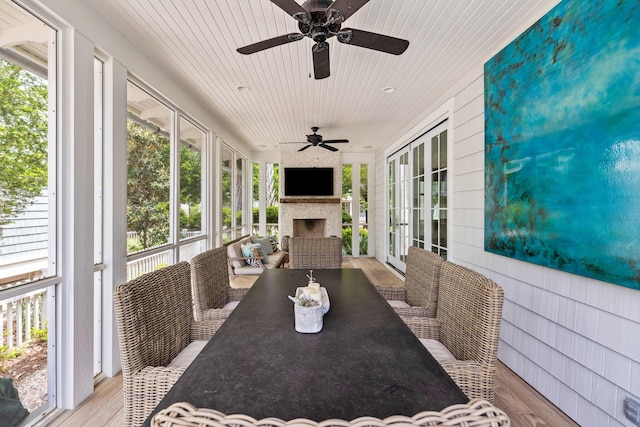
<point>320,20</point>
<point>317,25</point>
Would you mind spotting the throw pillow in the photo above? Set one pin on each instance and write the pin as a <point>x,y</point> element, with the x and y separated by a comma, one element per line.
<point>285,243</point>
<point>259,252</point>
<point>274,243</point>
<point>248,252</point>
<point>265,243</point>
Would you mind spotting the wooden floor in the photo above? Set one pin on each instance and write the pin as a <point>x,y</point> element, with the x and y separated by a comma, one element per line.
<point>525,406</point>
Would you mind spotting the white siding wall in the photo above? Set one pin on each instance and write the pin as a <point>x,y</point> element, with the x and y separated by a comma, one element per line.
<point>25,237</point>
<point>574,339</point>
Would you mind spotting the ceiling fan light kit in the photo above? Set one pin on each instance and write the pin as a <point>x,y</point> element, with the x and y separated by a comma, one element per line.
<point>320,20</point>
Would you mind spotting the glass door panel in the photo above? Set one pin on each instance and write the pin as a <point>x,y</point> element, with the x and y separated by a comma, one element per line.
<point>409,175</point>
<point>400,199</point>
<point>439,200</point>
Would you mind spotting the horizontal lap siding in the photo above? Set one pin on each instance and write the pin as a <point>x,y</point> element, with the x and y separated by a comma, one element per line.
<point>26,237</point>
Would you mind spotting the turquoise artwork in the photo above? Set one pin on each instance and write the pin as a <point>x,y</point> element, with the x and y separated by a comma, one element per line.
<point>562,142</point>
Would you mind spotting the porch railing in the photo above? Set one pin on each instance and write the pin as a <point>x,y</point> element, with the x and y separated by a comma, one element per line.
<point>145,265</point>
<point>20,316</point>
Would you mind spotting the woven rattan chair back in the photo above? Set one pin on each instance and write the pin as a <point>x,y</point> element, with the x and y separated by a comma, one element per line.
<point>154,318</point>
<point>315,252</point>
<point>210,277</point>
<point>470,312</point>
<point>422,279</point>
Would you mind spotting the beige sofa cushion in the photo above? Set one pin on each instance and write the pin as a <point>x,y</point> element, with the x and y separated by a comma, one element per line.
<point>234,250</point>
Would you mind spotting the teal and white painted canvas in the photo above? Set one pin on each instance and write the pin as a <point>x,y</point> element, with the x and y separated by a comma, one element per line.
<point>562,142</point>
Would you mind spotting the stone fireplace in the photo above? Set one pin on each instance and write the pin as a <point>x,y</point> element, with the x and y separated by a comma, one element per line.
<point>297,214</point>
<point>322,214</point>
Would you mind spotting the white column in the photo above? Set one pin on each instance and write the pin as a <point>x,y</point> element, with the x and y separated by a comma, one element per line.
<point>115,206</point>
<point>75,221</point>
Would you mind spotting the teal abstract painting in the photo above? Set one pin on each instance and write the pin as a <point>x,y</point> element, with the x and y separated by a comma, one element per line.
<point>562,142</point>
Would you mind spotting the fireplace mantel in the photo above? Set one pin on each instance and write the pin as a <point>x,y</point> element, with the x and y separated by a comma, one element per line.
<point>309,200</point>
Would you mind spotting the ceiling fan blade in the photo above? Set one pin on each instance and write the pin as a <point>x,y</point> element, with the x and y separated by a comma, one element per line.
<point>301,142</point>
<point>321,68</point>
<point>305,147</point>
<point>328,147</point>
<point>336,141</point>
<point>293,9</point>
<point>373,41</point>
<point>269,43</point>
<point>346,8</point>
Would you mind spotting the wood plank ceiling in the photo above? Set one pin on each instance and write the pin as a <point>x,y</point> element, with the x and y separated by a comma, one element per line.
<point>196,42</point>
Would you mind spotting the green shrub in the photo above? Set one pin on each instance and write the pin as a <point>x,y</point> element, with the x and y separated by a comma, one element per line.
<point>7,353</point>
<point>41,335</point>
<point>195,221</point>
<point>272,215</point>
<point>133,245</point>
<point>347,234</point>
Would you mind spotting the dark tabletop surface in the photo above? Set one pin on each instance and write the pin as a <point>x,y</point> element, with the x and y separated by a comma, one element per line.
<point>365,361</point>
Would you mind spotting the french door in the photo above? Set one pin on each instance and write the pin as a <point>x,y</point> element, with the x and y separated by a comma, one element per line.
<point>417,178</point>
<point>399,208</point>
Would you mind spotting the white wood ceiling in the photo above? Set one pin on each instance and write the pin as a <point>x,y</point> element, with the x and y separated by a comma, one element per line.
<point>196,41</point>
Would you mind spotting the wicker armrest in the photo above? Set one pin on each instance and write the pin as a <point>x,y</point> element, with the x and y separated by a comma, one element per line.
<point>412,311</point>
<point>424,327</point>
<point>218,314</point>
<point>393,292</point>
<point>236,294</point>
<point>136,393</point>
<point>204,329</point>
<point>470,376</point>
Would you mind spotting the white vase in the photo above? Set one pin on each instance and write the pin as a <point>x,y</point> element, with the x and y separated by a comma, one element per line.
<point>308,319</point>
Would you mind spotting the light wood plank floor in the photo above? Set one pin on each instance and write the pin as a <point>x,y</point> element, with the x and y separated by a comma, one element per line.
<point>525,406</point>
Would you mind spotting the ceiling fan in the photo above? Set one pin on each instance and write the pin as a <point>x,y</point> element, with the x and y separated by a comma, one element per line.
<point>320,20</point>
<point>316,140</point>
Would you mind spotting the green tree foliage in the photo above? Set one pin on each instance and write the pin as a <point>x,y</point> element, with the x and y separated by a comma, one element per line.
<point>347,174</point>
<point>190,176</point>
<point>346,217</point>
<point>226,194</point>
<point>23,139</point>
<point>272,172</point>
<point>272,215</point>
<point>347,171</point>
<point>190,187</point>
<point>148,185</point>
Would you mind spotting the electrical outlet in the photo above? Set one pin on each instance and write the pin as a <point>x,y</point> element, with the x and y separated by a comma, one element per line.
<point>632,410</point>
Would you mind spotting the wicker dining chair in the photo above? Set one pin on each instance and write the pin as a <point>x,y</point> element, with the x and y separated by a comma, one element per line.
<point>476,413</point>
<point>464,335</point>
<point>213,297</point>
<point>315,252</point>
<point>419,295</point>
<point>154,318</point>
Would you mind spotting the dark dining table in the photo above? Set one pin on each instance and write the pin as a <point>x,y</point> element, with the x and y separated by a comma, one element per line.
<point>364,362</point>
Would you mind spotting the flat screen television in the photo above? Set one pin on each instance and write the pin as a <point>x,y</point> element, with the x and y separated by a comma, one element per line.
<point>308,181</point>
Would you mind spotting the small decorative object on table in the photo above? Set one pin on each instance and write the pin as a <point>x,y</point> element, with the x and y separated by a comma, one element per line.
<point>310,305</point>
